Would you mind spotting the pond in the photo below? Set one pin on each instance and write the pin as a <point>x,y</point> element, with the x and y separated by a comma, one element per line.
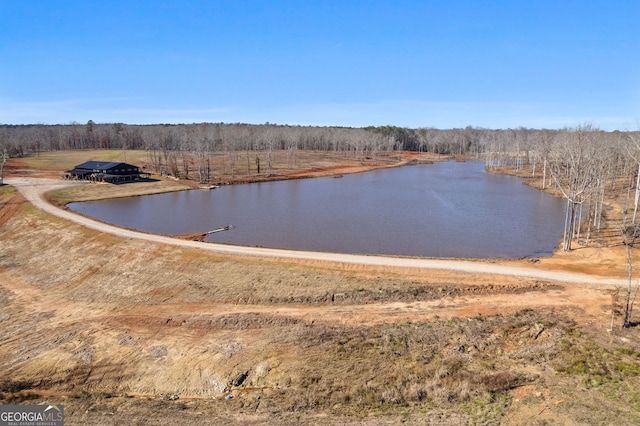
<point>447,209</point>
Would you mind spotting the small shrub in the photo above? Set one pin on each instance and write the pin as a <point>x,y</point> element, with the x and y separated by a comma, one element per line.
<point>628,368</point>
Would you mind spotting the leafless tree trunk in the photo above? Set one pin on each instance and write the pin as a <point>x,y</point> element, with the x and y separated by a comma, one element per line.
<point>573,175</point>
<point>4,161</point>
<point>634,153</point>
<point>629,235</point>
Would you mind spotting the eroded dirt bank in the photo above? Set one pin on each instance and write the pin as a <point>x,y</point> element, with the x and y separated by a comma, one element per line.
<point>126,330</point>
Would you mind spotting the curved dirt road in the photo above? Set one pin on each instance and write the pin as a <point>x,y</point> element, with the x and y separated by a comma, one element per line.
<point>33,188</point>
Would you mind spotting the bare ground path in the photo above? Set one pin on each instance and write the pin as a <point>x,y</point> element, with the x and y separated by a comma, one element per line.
<point>146,324</point>
<point>33,189</point>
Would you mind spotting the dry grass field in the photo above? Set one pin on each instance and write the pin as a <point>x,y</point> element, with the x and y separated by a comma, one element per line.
<point>123,331</point>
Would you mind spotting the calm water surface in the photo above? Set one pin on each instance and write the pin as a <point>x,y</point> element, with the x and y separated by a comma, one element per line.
<point>445,209</point>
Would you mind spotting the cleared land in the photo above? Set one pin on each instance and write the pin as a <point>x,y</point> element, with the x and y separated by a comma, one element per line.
<point>133,331</point>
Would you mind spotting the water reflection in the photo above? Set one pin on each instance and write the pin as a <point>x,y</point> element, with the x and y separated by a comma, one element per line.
<point>446,209</point>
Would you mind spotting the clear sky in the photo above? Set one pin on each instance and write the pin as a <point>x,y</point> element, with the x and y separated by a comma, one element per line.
<point>430,63</point>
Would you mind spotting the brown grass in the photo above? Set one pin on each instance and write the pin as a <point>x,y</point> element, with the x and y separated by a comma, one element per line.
<point>128,332</point>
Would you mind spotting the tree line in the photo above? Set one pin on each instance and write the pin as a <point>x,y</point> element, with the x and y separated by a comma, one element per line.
<point>581,163</point>
<point>587,166</point>
<point>18,139</point>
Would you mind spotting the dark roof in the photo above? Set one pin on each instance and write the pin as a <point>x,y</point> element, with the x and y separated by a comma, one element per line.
<point>79,171</point>
<point>102,165</point>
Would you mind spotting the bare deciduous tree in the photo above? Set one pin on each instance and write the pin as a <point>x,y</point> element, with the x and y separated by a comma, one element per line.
<point>2,163</point>
<point>572,173</point>
<point>629,235</point>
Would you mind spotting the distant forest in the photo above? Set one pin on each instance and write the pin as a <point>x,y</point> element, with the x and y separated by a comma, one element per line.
<point>582,163</point>
<point>219,137</point>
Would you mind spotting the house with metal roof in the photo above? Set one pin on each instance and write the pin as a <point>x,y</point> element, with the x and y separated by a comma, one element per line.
<point>105,171</point>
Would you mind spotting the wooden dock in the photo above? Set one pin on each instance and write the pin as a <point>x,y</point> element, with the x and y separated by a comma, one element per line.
<point>201,235</point>
<point>224,228</point>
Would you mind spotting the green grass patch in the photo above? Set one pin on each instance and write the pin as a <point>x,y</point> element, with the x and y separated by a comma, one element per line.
<point>7,190</point>
<point>629,352</point>
<point>627,368</point>
<point>30,209</point>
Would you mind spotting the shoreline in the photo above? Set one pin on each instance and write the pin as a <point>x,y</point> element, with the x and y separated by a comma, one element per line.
<point>33,190</point>
<point>163,330</point>
<point>606,260</point>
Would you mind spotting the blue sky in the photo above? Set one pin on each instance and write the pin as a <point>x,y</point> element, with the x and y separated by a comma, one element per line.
<point>444,64</point>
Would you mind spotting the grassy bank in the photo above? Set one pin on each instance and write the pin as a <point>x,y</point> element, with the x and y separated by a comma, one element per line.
<point>123,331</point>
<point>132,331</point>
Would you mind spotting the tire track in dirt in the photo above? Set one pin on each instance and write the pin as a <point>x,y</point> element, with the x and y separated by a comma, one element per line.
<point>592,301</point>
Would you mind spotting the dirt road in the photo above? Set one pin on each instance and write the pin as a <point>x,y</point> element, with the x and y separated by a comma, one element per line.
<point>33,188</point>
<point>141,328</point>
